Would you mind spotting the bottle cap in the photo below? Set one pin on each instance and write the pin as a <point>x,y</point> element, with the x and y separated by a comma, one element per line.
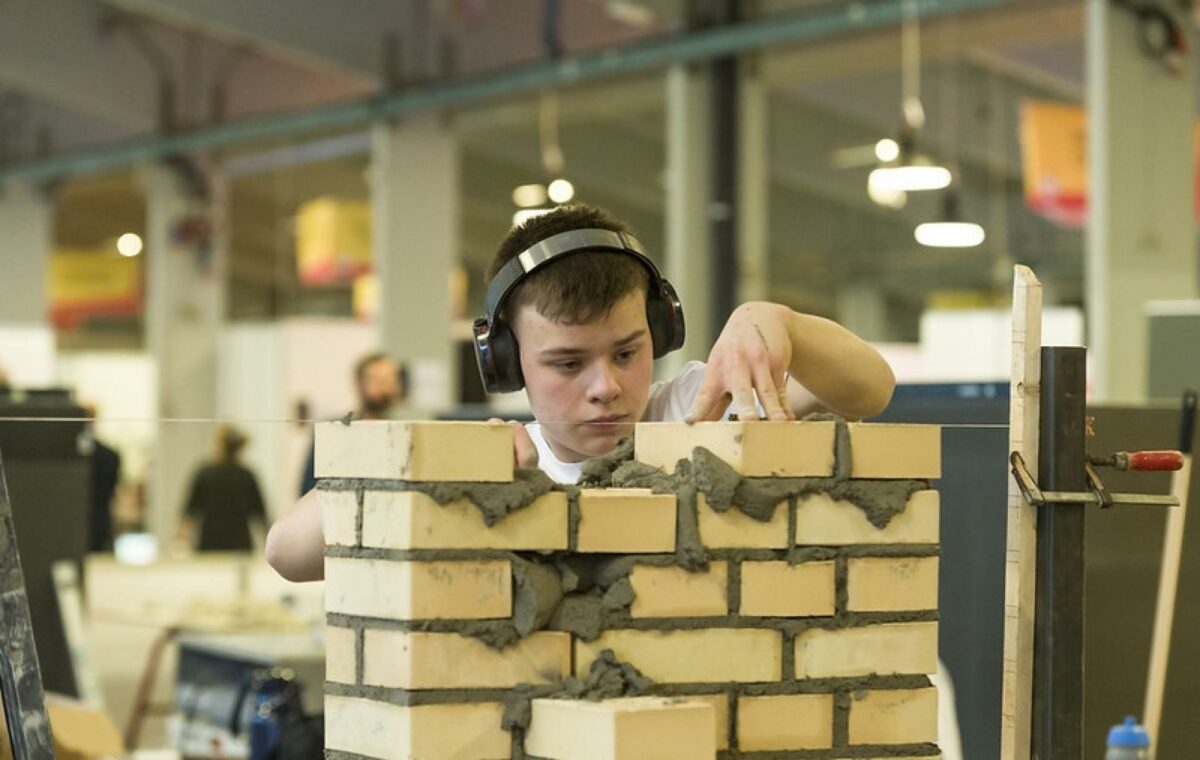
<point>1128,734</point>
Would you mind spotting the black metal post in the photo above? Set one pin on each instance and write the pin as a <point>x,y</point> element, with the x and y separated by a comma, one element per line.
<point>1059,626</point>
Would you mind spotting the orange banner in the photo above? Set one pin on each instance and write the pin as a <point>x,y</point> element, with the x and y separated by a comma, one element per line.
<point>1054,161</point>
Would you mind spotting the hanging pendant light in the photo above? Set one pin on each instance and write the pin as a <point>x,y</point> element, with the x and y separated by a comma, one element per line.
<point>903,168</point>
<point>951,231</point>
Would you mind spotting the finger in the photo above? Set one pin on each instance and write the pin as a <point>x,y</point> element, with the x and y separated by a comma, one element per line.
<point>716,412</point>
<point>768,394</point>
<point>706,398</point>
<point>526,453</point>
<point>743,404</point>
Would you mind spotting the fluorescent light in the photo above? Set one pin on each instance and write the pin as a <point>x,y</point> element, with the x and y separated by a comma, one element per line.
<point>911,177</point>
<point>561,191</point>
<point>129,245</point>
<point>949,234</point>
<point>528,196</point>
<point>887,149</point>
<point>886,197</point>
<point>525,214</point>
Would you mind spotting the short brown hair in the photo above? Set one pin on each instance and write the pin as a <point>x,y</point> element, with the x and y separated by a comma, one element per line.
<point>583,286</point>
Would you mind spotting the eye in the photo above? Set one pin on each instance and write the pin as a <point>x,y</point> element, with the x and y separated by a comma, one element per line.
<point>627,354</point>
<point>566,365</point>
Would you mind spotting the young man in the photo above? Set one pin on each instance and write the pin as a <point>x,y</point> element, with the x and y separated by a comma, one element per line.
<point>578,320</point>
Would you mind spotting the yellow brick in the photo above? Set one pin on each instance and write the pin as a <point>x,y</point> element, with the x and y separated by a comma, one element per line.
<point>777,589</point>
<point>413,520</point>
<point>425,732</point>
<point>895,451</point>
<point>626,520</point>
<point>453,451</point>
<point>417,660</point>
<point>674,592</point>
<point>710,655</point>
<point>793,721</point>
<point>720,703</point>
<point>756,449</point>
<point>887,649</point>
<point>732,529</point>
<point>341,655</point>
<point>822,521</point>
<point>878,584</point>
<point>907,716</point>
<point>418,590</point>
<point>631,728</point>
<point>339,513</point>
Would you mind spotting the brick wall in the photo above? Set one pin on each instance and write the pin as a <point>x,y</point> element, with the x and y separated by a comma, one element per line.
<point>804,629</point>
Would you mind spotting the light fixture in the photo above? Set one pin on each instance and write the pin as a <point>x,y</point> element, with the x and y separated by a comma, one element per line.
<point>951,231</point>
<point>528,196</point>
<point>129,245</point>
<point>561,190</point>
<point>885,196</point>
<point>902,167</point>
<point>911,176</point>
<point>887,150</point>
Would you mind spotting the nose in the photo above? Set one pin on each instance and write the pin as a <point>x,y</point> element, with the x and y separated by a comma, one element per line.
<point>604,385</point>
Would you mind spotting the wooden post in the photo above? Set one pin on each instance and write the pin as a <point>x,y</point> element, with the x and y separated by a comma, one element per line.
<point>1168,579</point>
<point>1020,574</point>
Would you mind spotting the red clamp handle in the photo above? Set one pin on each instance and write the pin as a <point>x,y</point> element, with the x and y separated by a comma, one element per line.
<point>1156,461</point>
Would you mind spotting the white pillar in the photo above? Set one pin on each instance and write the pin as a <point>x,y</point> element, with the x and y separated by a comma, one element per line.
<point>1140,233</point>
<point>862,309</point>
<point>26,227</point>
<point>415,232</point>
<point>754,184</point>
<point>185,306</point>
<point>689,252</point>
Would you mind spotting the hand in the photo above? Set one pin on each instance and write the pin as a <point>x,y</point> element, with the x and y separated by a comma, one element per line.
<point>752,355</point>
<point>525,455</point>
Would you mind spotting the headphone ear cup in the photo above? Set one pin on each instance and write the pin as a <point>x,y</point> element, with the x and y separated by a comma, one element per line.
<point>506,359</point>
<point>664,313</point>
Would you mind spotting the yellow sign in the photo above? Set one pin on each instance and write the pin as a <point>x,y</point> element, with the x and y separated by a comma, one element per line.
<point>87,283</point>
<point>333,241</point>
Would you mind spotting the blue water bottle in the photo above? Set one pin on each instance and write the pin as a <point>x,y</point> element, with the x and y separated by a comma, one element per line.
<point>1128,741</point>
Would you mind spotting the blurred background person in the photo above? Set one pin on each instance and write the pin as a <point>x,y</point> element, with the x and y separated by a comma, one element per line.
<point>381,382</point>
<point>105,475</point>
<point>224,500</point>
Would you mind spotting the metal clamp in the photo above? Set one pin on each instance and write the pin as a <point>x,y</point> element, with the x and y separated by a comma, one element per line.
<point>1097,494</point>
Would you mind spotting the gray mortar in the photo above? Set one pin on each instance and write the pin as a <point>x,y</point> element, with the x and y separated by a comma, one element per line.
<point>537,590</point>
<point>608,678</point>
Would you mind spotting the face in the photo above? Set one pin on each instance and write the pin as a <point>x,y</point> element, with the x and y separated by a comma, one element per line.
<point>587,383</point>
<point>380,387</point>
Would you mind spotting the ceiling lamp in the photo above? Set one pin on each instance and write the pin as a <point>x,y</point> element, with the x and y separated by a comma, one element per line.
<point>529,196</point>
<point>561,191</point>
<point>902,167</point>
<point>951,231</point>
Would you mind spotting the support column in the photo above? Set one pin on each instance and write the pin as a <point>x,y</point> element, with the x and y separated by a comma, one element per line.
<point>415,233</point>
<point>185,308</point>
<point>754,184</point>
<point>862,309</point>
<point>689,259</point>
<point>26,227</point>
<point>1141,219</point>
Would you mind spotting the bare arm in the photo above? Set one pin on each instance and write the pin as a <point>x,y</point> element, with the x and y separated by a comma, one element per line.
<point>296,542</point>
<point>764,343</point>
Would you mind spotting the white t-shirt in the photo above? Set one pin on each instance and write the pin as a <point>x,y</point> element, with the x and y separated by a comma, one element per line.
<point>669,402</point>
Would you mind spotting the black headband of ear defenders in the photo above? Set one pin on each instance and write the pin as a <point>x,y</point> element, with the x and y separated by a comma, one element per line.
<point>562,244</point>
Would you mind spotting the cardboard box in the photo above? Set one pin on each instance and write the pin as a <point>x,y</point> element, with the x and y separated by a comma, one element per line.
<point>80,732</point>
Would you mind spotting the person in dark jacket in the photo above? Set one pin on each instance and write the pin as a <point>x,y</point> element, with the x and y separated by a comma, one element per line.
<point>223,500</point>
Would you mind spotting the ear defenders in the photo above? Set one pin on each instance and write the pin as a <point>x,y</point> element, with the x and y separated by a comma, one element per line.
<point>496,348</point>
